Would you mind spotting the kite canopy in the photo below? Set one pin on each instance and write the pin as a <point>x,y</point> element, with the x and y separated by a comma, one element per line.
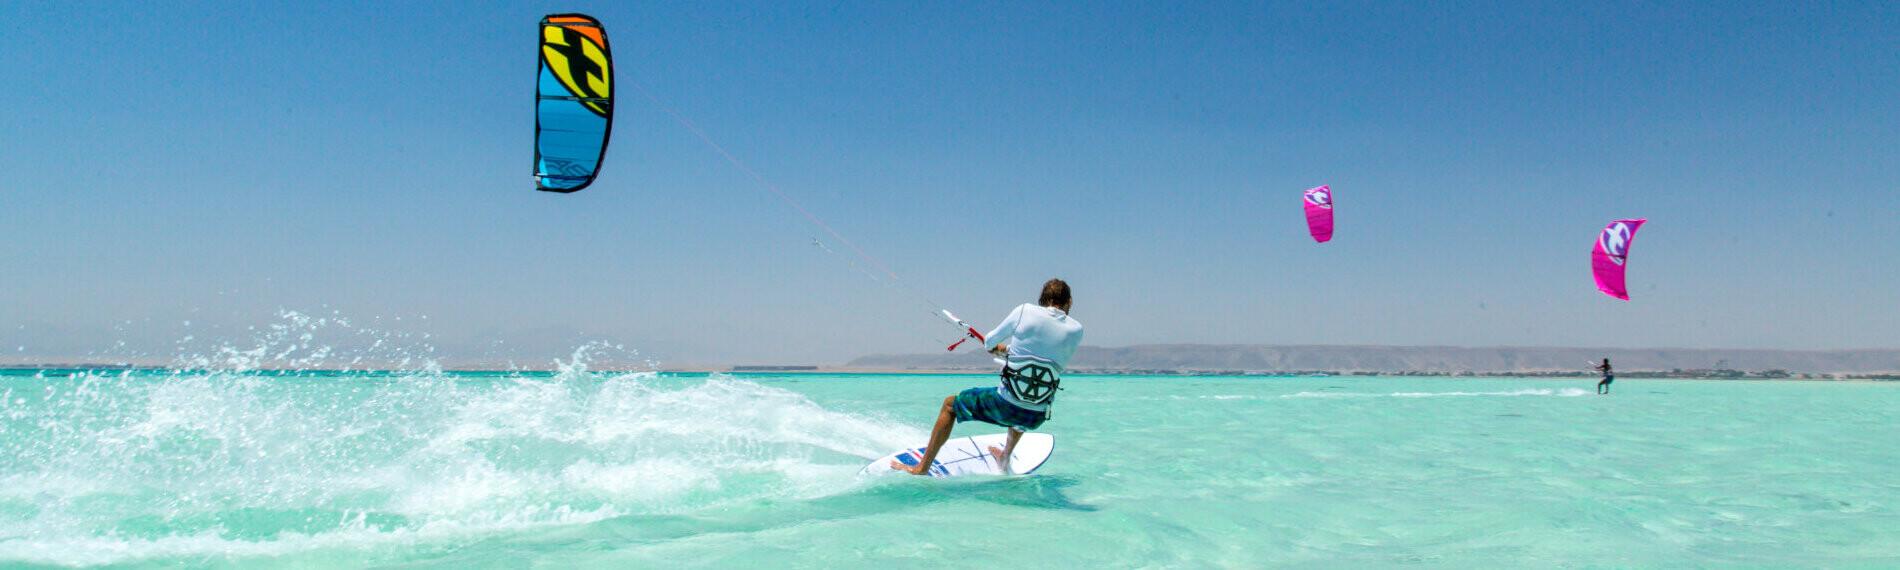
<point>573,103</point>
<point>1611,256</point>
<point>1319,213</point>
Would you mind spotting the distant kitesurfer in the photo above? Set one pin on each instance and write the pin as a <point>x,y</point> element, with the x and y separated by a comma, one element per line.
<point>1608,377</point>
<point>1035,343</point>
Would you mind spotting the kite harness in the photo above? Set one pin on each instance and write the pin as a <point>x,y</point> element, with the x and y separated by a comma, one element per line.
<point>1033,384</point>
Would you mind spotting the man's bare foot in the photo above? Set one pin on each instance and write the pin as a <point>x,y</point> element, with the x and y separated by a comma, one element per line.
<point>1001,460</point>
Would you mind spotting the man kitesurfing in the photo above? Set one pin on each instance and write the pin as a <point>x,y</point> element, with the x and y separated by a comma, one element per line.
<point>1603,387</point>
<point>1035,343</point>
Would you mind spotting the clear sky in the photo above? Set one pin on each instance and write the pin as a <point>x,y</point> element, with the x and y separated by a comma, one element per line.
<point>217,162</point>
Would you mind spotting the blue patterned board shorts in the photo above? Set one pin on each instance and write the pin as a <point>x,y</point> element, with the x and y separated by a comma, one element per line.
<point>986,404</point>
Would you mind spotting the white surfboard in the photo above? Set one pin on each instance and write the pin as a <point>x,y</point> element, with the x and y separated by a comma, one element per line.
<point>971,456</point>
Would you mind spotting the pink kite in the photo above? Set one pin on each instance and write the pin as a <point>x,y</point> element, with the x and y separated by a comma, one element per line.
<point>1612,252</point>
<point>1319,213</point>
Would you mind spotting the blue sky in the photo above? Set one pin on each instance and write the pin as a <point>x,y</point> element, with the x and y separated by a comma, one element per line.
<point>218,162</point>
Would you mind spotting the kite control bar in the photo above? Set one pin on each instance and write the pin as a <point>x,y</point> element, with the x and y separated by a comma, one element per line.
<point>969,332</point>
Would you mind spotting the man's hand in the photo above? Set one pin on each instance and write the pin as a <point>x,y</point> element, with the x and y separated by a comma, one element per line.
<point>1001,349</point>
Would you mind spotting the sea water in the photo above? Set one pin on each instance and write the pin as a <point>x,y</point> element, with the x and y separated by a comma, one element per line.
<point>582,468</point>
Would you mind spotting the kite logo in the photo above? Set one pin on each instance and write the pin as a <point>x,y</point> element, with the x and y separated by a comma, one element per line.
<point>1321,197</point>
<point>1616,242</point>
<point>580,63</point>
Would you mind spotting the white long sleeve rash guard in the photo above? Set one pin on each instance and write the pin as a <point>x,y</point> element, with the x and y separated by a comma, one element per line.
<point>1037,335</point>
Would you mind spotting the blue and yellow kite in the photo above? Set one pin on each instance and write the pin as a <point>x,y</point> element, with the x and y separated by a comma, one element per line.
<point>574,103</point>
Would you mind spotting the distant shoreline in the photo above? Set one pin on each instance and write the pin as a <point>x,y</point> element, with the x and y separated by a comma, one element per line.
<point>1521,361</point>
<point>1170,360</point>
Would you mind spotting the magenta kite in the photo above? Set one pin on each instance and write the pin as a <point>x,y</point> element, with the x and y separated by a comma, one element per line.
<point>1319,213</point>
<point>1611,256</point>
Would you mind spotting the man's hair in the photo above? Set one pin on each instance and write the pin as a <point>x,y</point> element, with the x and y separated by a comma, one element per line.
<point>1055,293</point>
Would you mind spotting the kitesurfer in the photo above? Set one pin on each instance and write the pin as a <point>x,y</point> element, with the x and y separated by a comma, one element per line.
<point>1035,343</point>
<point>1608,377</point>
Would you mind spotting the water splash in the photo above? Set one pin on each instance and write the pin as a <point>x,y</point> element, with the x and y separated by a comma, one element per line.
<point>288,443</point>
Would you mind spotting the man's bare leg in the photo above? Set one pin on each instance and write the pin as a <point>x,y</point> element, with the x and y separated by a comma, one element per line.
<point>946,419</point>
<point>1002,455</point>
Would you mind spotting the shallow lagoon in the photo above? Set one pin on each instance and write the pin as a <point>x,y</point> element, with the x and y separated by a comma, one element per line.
<point>590,469</point>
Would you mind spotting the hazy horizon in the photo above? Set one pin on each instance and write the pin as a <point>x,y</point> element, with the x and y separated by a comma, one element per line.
<point>175,186</point>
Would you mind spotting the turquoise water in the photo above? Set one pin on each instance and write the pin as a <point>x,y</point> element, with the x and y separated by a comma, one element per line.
<point>648,470</point>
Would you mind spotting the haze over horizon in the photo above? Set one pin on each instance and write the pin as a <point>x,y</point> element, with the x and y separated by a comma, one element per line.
<point>175,186</point>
